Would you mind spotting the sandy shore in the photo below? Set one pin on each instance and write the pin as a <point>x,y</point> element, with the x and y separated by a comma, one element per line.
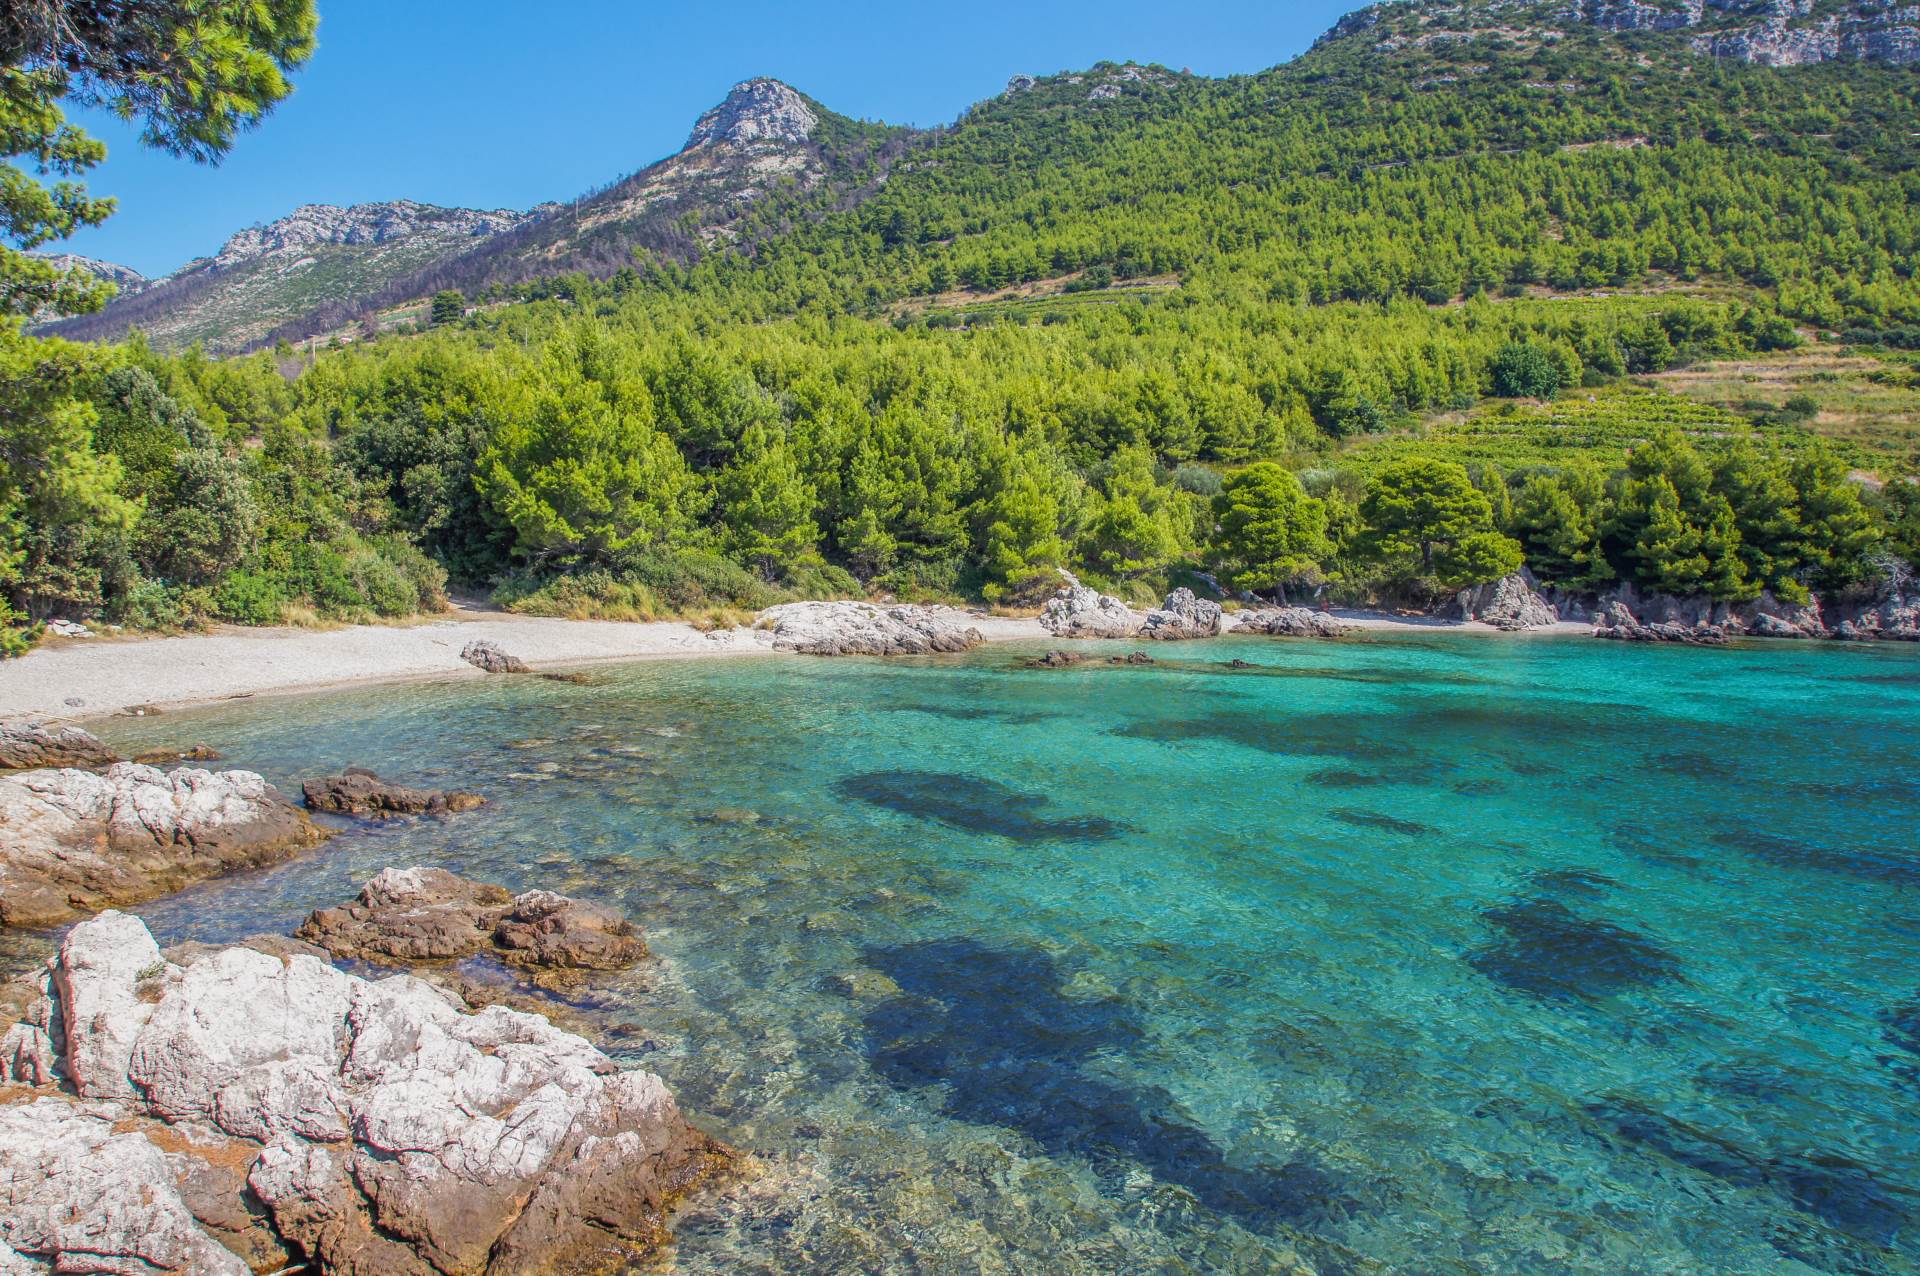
<point>89,678</point>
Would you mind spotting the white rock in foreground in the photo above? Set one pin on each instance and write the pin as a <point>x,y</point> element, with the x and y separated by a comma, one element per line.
<point>489,1142</point>
<point>1512,603</point>
<point>72,841</point>
<point>864,629</point>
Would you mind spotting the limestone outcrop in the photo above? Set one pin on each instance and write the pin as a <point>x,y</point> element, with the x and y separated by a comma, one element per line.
<point>405,916</point>
<point>73,842</point>
<point>1182,617</point>
<point>1512,603</point>
<point>362,794</point>
<point>1288,622</point>
<point>251,1111</point>
<point>866,629</point>
<point>27,746</point>
<point>1080,612</point>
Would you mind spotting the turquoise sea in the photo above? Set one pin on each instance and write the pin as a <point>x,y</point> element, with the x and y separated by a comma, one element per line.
<point>1427,954</point>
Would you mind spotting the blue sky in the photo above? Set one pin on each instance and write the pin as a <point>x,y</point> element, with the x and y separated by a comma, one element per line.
<point>493,104</point>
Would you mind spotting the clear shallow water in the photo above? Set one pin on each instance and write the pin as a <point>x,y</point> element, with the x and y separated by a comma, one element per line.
<point>1431,955</point>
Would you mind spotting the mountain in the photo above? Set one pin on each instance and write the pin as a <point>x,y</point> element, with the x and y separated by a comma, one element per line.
<point>265,276</point>
<point>1778,33</point>
<point>1124,161</point>
<point>321,268</point>
<point>125,278</point>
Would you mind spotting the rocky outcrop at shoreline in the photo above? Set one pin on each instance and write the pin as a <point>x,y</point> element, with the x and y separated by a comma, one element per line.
<point>360,793</point>
<point>73,842</point>
<point>1288,622</point>
<point>249,1111</point>
<point>409,915</point>
<point>1890,613</point>
<point>1077,611</point>
<point>26,746</point>
<point>1512,603</point>
<point>866,629</point>
<point>490,657</point>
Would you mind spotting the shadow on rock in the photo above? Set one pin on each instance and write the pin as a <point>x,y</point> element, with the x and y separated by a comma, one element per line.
<point>1550,951</point>
<point>994,1031</point>
<point>973,805</point>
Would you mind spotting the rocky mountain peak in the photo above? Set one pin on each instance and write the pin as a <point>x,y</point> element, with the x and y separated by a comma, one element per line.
<point>126,278</point>
<point>317,224</point>
<point>757,111</point>
<point>1768,32</point>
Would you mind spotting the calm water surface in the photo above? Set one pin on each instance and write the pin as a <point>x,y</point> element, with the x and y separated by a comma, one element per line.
<point>1432,955</point>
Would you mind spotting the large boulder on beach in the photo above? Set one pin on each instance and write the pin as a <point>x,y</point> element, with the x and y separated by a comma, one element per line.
<point>1513,603</point>
<point>73,842</point>
<point>487,655</point>
<point>26,746</point>
<point>1287,622</point>
<point>253,1110</point>
<point>865,629</point>
<point>1077,611</point>
<point>1182,617</point>
<point>405,916</point>
<point>360,793</point>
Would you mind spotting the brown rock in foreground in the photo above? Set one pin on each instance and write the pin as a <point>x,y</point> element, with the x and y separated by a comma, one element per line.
<point>359,792</point>
<point>250,1111</point>
<point>408,915</point>
<point>74,842</point>
<point>28,746</point>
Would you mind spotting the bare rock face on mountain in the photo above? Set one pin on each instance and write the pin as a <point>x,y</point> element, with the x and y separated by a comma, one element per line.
<point>32,745</point>
<point>405,916</point>
<point>360,793</point>
<point>1512,603</point>
<point>250,1110</point>
<point>1288,622</point>
<point>756,111</point>
<point>1768,32</point>
<point>1079,612</point>
<point>72,842</point>
<point>864,629</point>
<point>322,225</point>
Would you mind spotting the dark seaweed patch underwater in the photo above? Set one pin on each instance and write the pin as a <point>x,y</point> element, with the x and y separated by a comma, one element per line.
<point>972,804</point>
<point>1166,986</point>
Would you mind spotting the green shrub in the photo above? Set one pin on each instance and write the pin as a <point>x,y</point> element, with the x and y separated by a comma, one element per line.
<point>150,604</point>
<point>248,598</point>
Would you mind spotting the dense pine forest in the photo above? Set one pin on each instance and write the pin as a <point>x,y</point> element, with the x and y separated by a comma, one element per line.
<point>1381,322</point>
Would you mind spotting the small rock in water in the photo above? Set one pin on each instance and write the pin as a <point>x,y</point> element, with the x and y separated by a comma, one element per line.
<point>411,915</point>
<point>1132,658</point>
<point>1055,660</point>
<point>359,792</point>
<point>170,757</point>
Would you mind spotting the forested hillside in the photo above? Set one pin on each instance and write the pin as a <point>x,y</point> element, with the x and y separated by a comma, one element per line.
<point>1435,283</point>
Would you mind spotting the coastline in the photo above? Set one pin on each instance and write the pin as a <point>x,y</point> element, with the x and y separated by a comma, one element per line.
<point>110,675</point>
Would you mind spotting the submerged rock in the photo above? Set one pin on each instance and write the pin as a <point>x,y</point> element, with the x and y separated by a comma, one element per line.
<point>864,629</point>
<point>1079,612</point>
<point>1055,660</point>
<point>408,915</point>
<point>73,842</point>
<point>1288,622</point>
<point>33,745</point>
<point>1512,603</point>
<point>359,792</point>
<point>250,1110</point>
<point>490,656</point>
<point>1132,658</point>
<point>173,757</point>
